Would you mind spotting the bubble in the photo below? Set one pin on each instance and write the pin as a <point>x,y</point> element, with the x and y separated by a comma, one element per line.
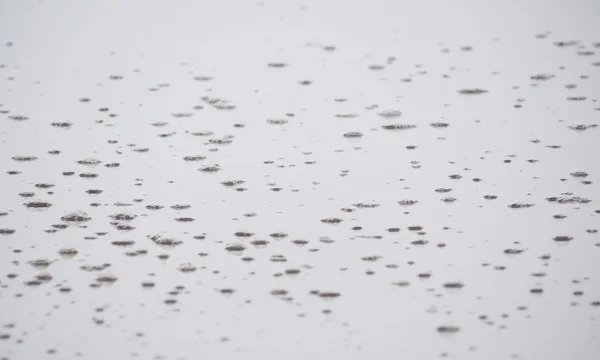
<point>62,125</point>
<point>38,204</point>
<point>300,242</point>
<point>513,251</point>
<point>398,127</point>
<point>474,91</point>
<point>182,115</point>
<point>568,198</point>
<point>106,279</point>
<point>123,217</point>
<point>88,175</point>
<point>236,249</point>
<point>22,158</point>
<point>366,205</point>
<point>227,291</point>
<point>164,241</point>
<point>331,220</point>
<point>346,116</point>
<point>93,268</point>
<point>542,77</point>
<point>520,205</point>
<point>390,113</point>
<point>219,104</point>
<point>278,258</point>
<point>18,117</point>
<point>91,162</point>
<point>243,234</point>
<point>448,329</point>
<point>279,292</point>
<point>569,43</point>
<point>277,121</point>
<point>77,217</point>
<point>371,258</point>
<point>123,243</point>
<point>454,285</point>
<point>232,183</point>
<point>154,207</point>
<point>277,65</point>
<point>278,235</point>
<point>353,135</point>
<point>179,207</point>
<point>141,150</point>
<point>444,190</point>
<point>40,264</point>
<point>184,219</point>
<point>259,244</point>
<point>328,295</point>
<point>562,238</point>
<point>203,133</point>
<point>187,268</point>
<point>376,67</point>
<point>226,140</point>
<point>579,174</point>
<point>419,243</point>
<point>210,168</point>
<point>44,277</point>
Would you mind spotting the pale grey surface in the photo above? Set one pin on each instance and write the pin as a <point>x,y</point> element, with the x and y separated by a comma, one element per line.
<point>54,53</point>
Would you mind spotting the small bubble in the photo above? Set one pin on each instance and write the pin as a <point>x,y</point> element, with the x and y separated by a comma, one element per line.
<point>448,329</point>
<point>474,91</point>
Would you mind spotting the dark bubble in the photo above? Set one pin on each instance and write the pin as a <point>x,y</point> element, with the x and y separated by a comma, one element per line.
<point>448,329</point>
<point>62,125</point>
<point>24,158</point>
<point>353,135</point>
<point>397,127</point>
<point>542,77</point>
<point>562,238</point>
<point>520,205</point>
<point>38,204</point>
<point>474,91</point>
